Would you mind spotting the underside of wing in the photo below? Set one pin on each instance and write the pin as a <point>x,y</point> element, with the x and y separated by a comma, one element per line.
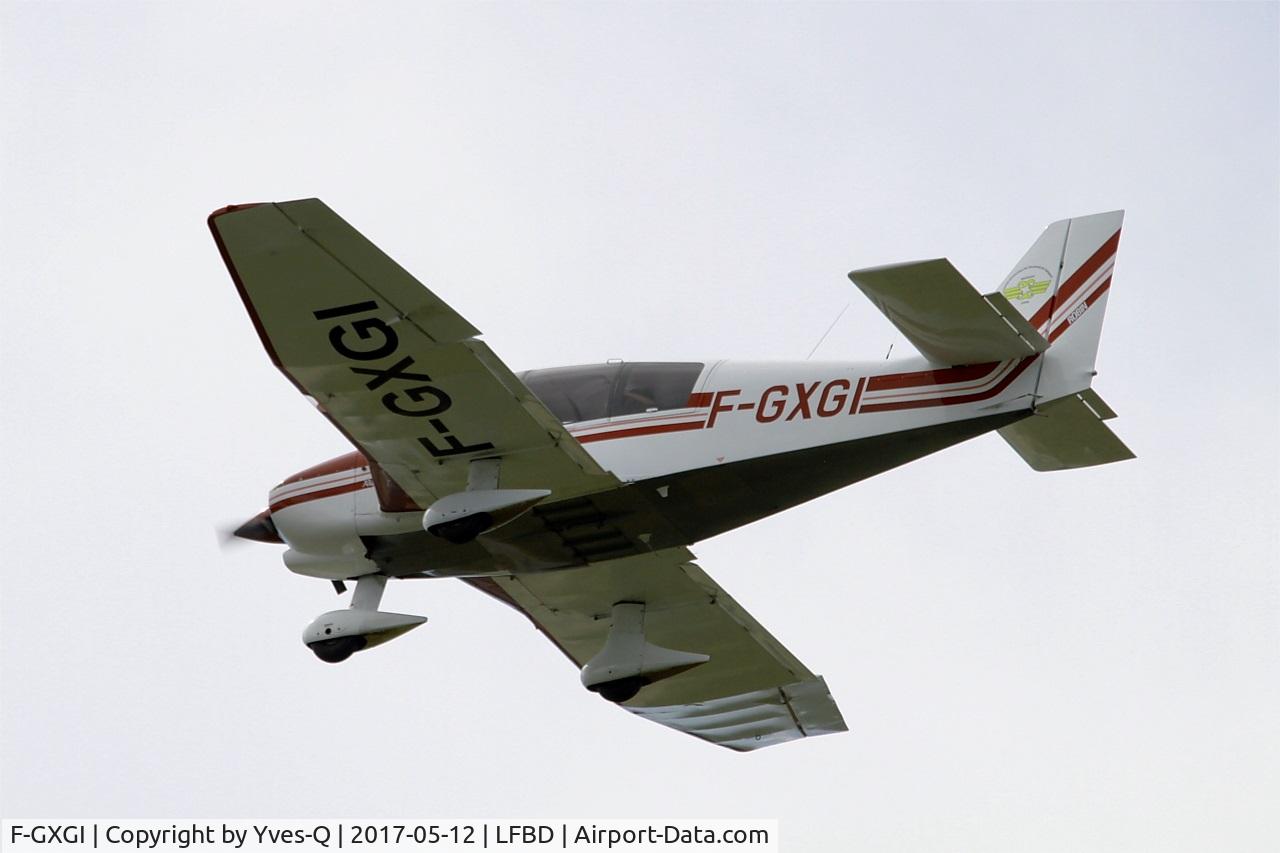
<point>746,692</point>
<point>398,371</point>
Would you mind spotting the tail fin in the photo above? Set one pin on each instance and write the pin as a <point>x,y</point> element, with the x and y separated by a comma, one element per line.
<point>1060,286</point>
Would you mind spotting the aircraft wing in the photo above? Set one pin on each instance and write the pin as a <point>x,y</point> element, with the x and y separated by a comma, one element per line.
<point>398,371</point>
<point>752,692</point>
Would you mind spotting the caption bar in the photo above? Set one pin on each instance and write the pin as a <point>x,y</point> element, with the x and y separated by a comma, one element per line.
<point>310,836</point>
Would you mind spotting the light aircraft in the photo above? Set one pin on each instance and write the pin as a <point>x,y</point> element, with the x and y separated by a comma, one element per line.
<point>572,493</point>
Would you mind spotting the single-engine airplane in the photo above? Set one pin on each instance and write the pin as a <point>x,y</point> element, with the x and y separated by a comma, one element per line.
<point>572,493</point>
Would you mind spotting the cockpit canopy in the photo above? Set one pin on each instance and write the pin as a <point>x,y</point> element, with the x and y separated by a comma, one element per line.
<point>593,391</point>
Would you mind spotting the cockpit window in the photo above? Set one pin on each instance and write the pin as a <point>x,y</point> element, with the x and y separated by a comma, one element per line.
<point>608,390</point>
<point>654,387</point>
<point>575,393</point>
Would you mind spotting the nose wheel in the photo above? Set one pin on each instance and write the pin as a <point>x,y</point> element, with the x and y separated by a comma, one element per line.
<point>338,649</point>
<point>335,636</point>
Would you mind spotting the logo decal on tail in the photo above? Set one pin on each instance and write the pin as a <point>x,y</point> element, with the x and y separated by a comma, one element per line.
<point>1029,284</point>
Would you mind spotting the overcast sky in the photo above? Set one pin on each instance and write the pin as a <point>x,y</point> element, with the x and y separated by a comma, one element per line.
<point>1076,661</point>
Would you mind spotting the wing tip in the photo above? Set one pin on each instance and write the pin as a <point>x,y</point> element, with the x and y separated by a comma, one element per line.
<point>232,208</point>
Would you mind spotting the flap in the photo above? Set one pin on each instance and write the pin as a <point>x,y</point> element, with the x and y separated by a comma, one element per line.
<point>751,693</point>
<point>944,317</point>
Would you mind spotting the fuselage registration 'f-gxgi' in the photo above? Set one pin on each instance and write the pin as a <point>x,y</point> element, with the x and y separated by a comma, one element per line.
<point>573,493</point>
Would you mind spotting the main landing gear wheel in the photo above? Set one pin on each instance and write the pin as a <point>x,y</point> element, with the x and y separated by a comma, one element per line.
<point>621,690</point>
<point>465,529</point>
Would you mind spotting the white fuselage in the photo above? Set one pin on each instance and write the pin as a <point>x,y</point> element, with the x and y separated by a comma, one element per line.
<point>737,411</point>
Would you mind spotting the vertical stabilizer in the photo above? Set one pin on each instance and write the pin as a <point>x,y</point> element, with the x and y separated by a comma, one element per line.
<point>1061,287</point>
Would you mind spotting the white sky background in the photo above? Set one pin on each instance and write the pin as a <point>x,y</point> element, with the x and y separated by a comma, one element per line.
<point>1082,660</point>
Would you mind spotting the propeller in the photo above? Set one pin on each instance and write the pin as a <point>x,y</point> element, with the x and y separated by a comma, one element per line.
<point>260,528</point>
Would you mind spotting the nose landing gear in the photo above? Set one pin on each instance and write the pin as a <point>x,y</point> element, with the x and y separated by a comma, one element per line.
<point>337,635</point>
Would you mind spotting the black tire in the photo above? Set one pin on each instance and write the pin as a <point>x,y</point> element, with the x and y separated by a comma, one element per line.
<point>337,649</point>
<point>463,530</point>
<point>622,689</point>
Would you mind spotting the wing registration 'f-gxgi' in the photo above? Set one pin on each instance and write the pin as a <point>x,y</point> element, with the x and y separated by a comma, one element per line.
<point>395,368</point>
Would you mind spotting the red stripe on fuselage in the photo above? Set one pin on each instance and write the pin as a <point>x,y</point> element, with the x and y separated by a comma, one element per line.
<point>699,401</point>
<point>857,395</point>
<point>954,400</point>
<point>649,430</point>
<point>945,376</point>
<point>323,493</point>
<point>630,421</point>
<point>352,462</point>
<point>951,388</point>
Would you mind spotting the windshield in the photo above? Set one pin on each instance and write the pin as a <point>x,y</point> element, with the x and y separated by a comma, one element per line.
<point>595,391</point>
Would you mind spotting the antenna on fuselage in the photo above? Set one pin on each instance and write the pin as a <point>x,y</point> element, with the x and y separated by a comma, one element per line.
<point>828,331</point>
<point>889,353</point>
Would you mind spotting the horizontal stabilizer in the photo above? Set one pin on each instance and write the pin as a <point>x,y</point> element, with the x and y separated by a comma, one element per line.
<point>1067,433</point>
<point>944,317</point>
